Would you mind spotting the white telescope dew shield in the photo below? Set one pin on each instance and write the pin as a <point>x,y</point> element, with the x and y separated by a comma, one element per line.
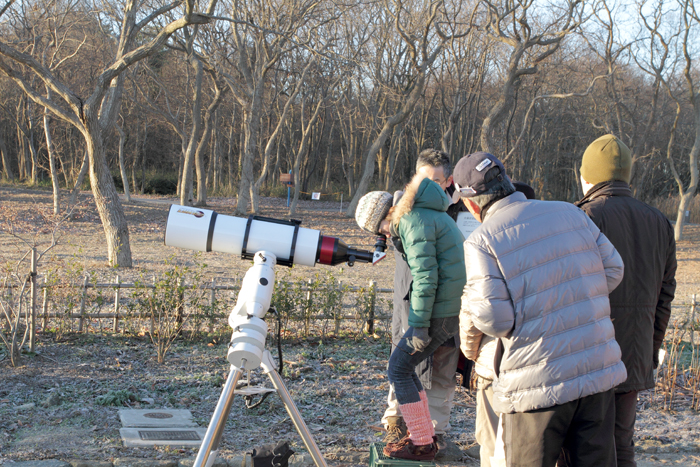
<point>205,230</point>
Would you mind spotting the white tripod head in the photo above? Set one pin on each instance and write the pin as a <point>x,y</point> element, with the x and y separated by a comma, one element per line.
<point>249,329</point>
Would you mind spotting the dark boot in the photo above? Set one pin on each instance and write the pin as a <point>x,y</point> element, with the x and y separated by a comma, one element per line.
<point>395,430</point>
<point>447,450</point>
<point>405,449</point>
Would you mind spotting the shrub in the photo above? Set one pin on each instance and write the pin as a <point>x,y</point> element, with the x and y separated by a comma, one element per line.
<point>161,186</point>
<point>118,182</point>
<point>116,398</point>
<point>167,305</point>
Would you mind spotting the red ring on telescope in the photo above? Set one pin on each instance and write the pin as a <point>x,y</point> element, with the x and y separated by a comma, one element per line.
<point>325,256</point>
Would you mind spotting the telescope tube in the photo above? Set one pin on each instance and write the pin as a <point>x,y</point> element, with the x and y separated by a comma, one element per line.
<point>205,230</point>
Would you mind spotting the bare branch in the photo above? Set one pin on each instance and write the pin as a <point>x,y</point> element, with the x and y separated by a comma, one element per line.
<point>549,96</point>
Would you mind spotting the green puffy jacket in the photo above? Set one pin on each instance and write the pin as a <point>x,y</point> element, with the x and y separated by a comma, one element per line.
<point>433,249</point>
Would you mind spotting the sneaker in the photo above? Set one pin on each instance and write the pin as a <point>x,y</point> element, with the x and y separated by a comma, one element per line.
<point>405,449</point>
<point>396,430</point>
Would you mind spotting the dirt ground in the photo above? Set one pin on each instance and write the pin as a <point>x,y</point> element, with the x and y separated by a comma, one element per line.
<point>51,406</point>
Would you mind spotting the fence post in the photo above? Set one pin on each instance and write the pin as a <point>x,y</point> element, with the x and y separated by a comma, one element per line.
<point>370,312</point>
<point>338,310</point>
<point>153,318</point>
<point>692,323</point>
<point>45,307</point>
<point>181,305</point>
<point>32,329</point>
<point>82,305</point>
<point>212,302</point>
<point>307,313</point>
<point>115,323</point>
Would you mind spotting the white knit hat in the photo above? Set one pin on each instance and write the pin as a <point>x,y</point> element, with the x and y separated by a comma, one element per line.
<point>372,209</point>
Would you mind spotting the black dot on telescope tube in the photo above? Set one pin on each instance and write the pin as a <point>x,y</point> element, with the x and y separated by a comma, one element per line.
<point>263,281</point>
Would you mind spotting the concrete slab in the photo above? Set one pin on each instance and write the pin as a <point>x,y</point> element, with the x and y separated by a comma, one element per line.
<point>156,418</point>
<point>170,436</point>
<point>89,463</point>
<point>46,463</point>
<point>219,462</point>
<point>130,462</point>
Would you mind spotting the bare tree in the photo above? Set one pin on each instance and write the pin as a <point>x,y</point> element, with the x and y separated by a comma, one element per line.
<point>532,32</point>
<point>423,39</point>
<point>690,28</point>
<point>95,115</point>
<point>262,32</point>
<point>272,140</point>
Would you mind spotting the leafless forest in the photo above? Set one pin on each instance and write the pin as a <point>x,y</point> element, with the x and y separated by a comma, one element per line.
<point>222,97</point>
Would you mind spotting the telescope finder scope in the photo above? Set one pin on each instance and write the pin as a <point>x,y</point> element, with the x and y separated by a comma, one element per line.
<point>205,230</point>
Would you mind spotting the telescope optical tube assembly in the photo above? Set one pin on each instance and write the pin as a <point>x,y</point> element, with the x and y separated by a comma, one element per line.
<point>205,230</point>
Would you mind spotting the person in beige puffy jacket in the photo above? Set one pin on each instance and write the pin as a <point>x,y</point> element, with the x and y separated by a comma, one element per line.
<point>481,349</point>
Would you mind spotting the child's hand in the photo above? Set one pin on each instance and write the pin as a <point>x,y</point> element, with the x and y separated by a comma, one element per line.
<point>420,339</point>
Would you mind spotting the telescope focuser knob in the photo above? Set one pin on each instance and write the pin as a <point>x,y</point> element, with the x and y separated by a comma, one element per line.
<point>379,249</point>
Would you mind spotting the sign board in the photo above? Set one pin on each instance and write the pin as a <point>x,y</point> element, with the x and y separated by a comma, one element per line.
<point>467,223</point>
<point>287,178</point>
<point>316,195</point>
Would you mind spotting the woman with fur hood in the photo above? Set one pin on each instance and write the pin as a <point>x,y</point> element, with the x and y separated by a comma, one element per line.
<point>432,246</point>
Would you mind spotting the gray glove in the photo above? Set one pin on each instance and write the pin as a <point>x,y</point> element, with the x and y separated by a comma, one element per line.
<point>420,339</point>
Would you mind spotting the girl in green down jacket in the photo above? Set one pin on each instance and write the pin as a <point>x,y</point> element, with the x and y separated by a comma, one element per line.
<point>432,246</point>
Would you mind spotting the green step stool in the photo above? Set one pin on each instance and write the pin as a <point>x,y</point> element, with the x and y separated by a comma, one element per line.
<point>377,458</point>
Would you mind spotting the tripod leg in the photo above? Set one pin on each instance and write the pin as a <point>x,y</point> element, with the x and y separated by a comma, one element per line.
<point>210,444</point>
<point>269,368</point>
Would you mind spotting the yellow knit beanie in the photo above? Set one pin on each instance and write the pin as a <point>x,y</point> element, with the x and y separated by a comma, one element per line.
<point>606,159</point>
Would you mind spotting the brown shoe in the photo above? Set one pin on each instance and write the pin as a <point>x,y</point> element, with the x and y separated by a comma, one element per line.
<point>396,430</point>
<point>405,449</point>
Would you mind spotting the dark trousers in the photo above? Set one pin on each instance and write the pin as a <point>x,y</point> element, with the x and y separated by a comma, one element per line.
<point>625,416</point>
<point>585,427</point>
<point>403,360</point>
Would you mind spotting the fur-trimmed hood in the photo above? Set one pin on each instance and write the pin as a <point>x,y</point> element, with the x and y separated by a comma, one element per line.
<point>420,192</point>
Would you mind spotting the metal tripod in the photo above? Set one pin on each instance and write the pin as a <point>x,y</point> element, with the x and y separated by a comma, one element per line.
<point>247,350</point>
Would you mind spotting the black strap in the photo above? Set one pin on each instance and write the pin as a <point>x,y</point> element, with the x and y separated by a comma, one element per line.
<point>210,234</point>
<point>294,242</point>
<point>244,253</point>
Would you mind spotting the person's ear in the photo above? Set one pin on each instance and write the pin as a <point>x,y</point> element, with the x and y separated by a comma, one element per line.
<point>473,208</point>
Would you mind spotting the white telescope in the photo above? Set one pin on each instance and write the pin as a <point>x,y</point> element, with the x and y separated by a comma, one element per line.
<point>205,230</point>
<point>267,242</point>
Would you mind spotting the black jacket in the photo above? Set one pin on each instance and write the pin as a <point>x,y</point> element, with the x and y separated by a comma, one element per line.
<point>641,304</point>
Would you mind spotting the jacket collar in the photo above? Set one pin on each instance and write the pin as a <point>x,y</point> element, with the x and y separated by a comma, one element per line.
<point>604,189</point>
<point>504,203</point>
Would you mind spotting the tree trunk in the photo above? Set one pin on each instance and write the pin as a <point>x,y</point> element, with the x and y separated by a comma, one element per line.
<point>303,150</point>
<point>688,194</point>
<point>106,199</point>
<point>52,162</point>
<point>251,130</point>
<point>6,165</point>
<point>122,164</point>
<point>203,143</point>
<point>186,183</point>
<point>394,151</point>
<point>32,147</point>
<point>79,180</point>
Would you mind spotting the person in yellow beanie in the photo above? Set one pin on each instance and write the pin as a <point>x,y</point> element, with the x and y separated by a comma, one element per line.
<point>641,304</point>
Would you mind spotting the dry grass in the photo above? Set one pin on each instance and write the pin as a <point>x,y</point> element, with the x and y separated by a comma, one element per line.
<point>669,206</point>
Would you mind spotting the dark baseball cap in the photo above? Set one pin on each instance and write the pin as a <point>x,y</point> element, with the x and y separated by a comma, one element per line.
<point>469,174</point>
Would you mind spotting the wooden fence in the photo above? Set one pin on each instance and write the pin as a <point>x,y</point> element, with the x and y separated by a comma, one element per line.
<point>369,314</point>
<point>40,312</point>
